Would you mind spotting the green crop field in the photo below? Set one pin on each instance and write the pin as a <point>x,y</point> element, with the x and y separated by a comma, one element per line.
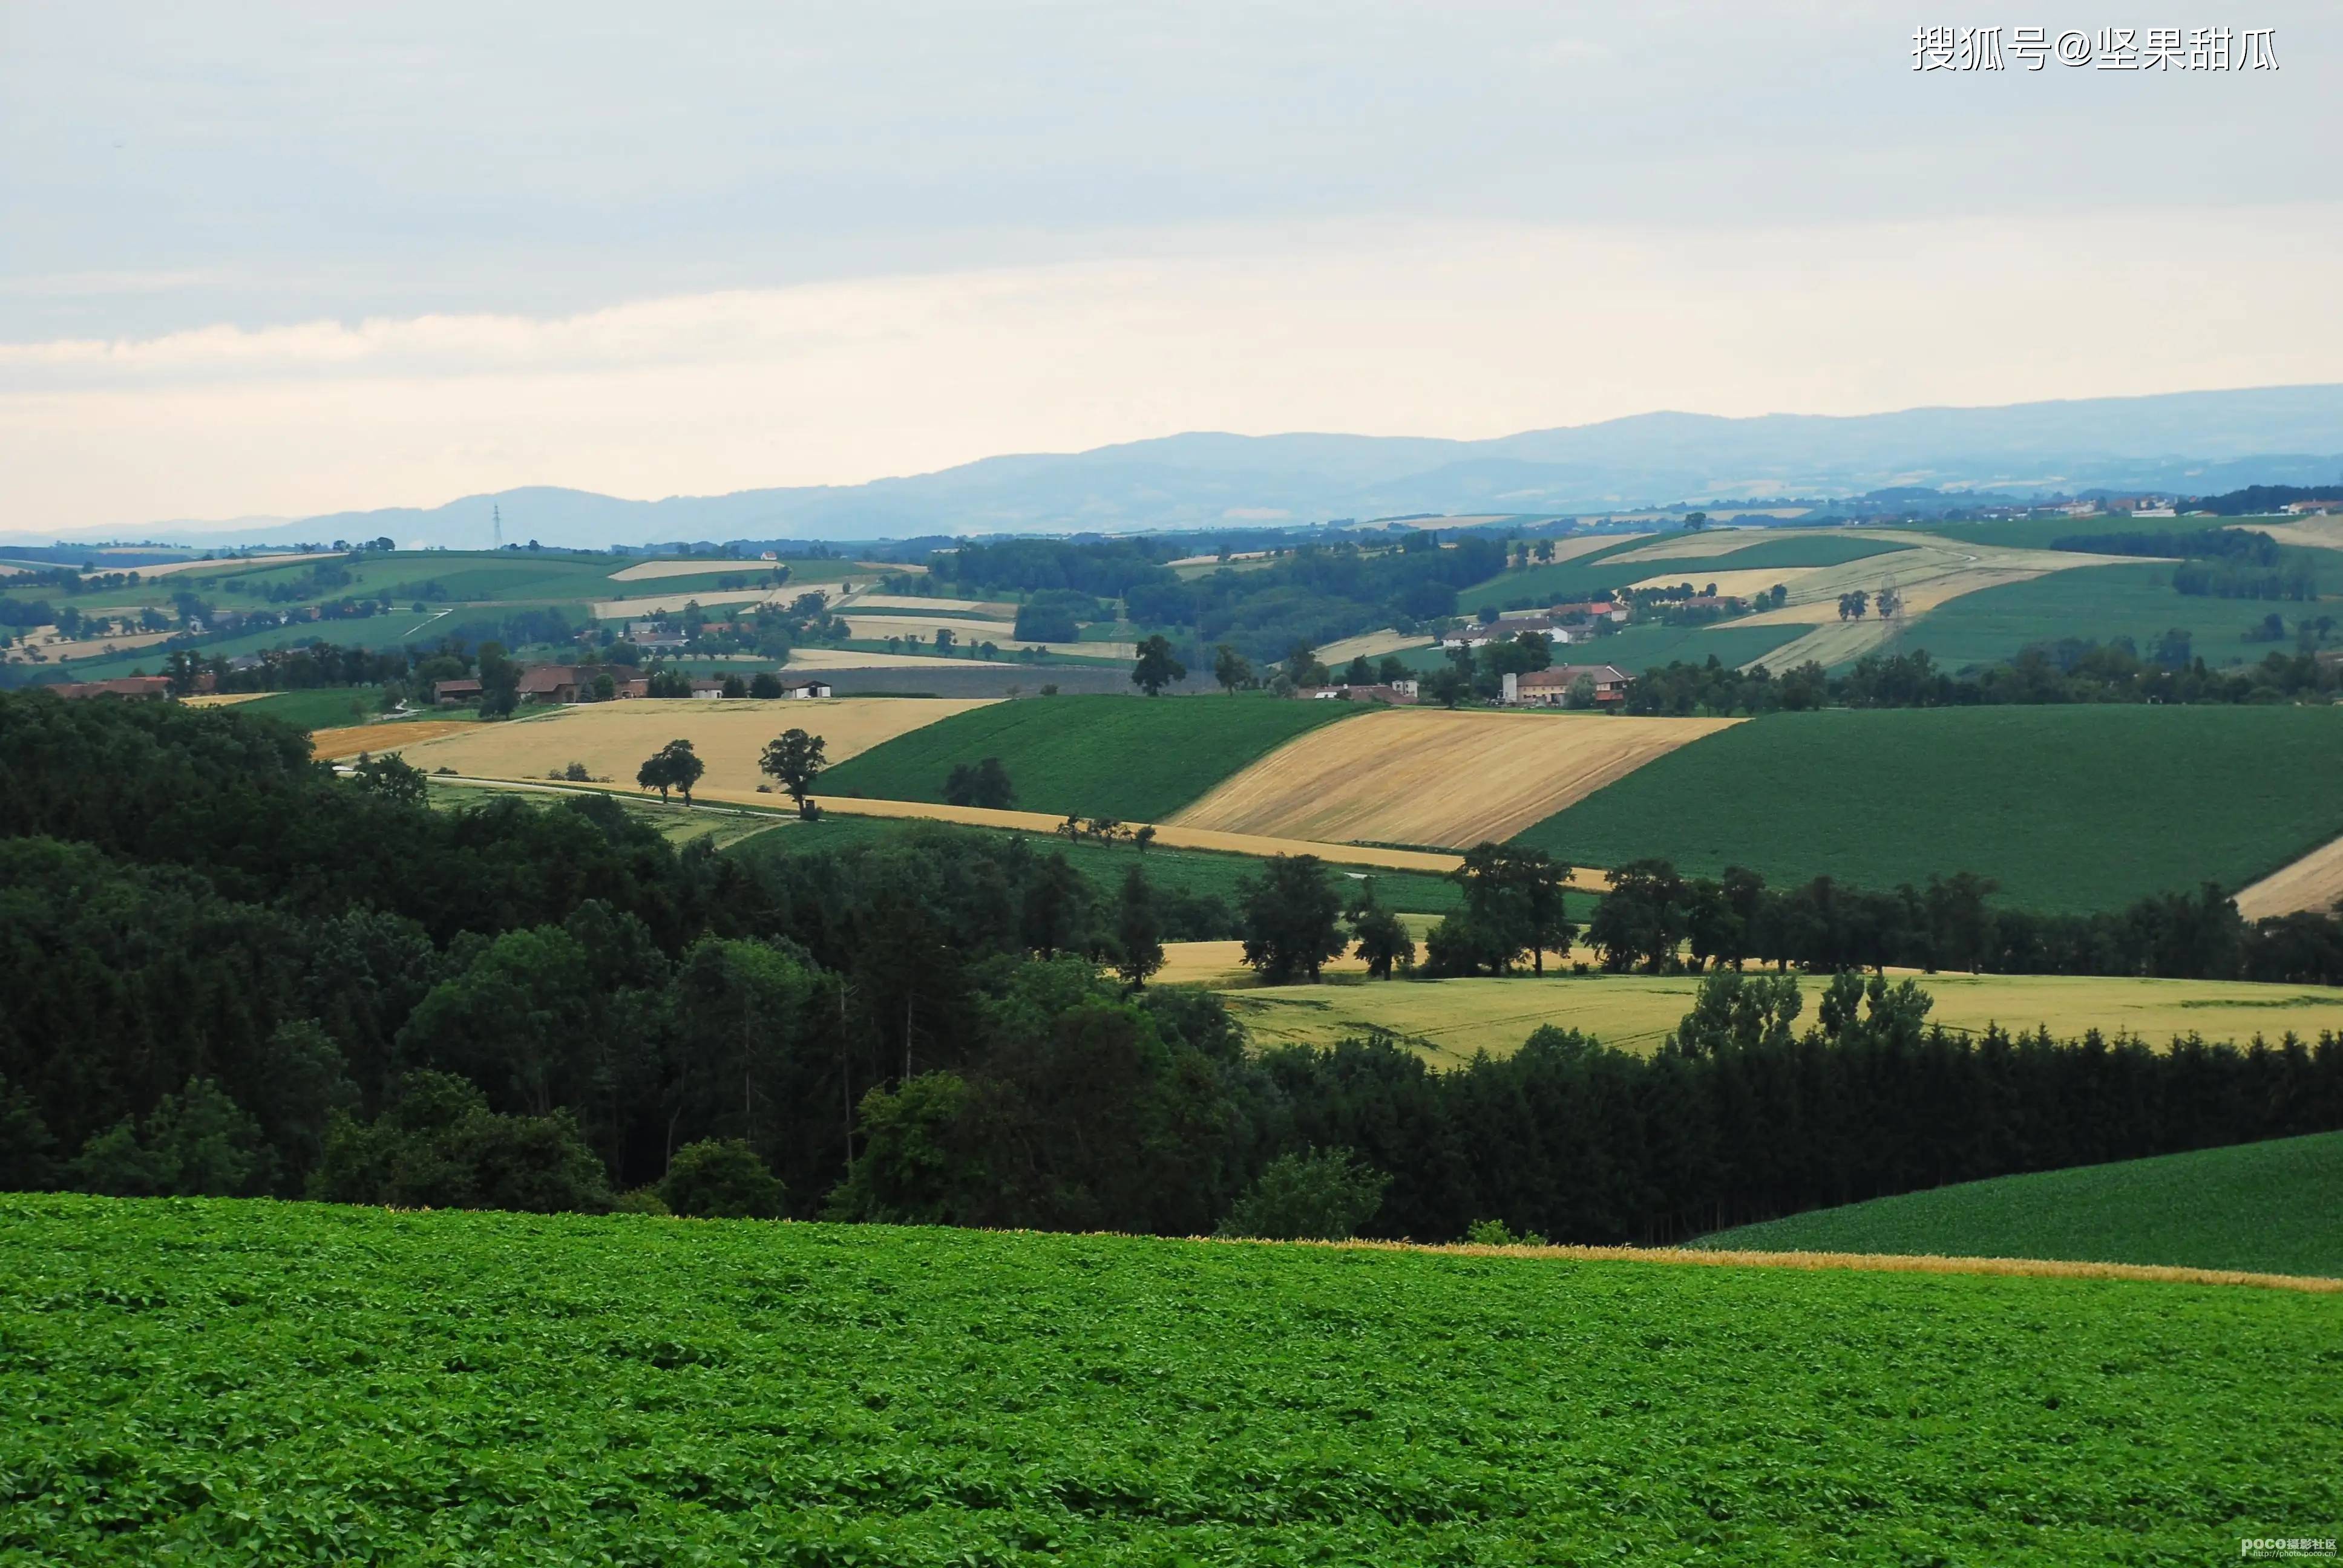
<point>322,707</point>
<point>1123,757</point>
<point>2101,604</point>
<point>1601,570</point>
<point>2273,1208</point>
<point>199,1381</point>
<point>1202,872</point>
<point>2070,808</point>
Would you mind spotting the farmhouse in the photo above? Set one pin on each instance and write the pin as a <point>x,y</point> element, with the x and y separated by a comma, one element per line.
<point>805,689</point>
<point>455,690</point>
<point>1551,687</point>
<point>575,682</point>
<point>1402,692</point>
<point>1504,631</point>
<point>1589,610</point>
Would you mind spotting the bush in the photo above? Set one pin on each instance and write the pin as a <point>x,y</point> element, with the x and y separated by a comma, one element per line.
<point>720,1179</point>
<point>1323,1195</point>
<point>440,1147</point>
<point>1496,1233</point>
<point>199,1143</point>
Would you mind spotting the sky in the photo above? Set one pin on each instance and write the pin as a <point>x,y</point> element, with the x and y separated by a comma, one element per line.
<point>263,260</point>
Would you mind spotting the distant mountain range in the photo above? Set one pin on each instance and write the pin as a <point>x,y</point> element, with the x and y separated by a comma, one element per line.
<point>2191,443</point>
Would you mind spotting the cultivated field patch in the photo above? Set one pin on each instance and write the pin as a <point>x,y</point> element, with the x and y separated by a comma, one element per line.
<point>351,741</point>
<point>1450,1020</point>
<point>2268,1207</point>
<point>213,1382</point>
<point>1126,757</point>
<point>1370,645</point>
<point>1745,582</point>
<point>612,738</point>
<point>1433,776</point>
<point>2311,885</point>
<point>2070,808</point>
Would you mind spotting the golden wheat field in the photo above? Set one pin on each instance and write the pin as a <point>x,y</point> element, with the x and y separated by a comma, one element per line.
<point>1432,776</point>
<point>1450,1020</point>
<point>334,745</point>
<point>1371,644</point>
<point>2312,884</point>
<point>612,738</point>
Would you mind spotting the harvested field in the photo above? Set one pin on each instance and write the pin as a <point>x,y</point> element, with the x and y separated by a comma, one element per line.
<point>612,739</point>
<point>630,609</point>
<point>2320,533</point>
<point>224,698</point>
<point>1169,834</point>
<point>334,745</point>
<point>969,633</point>
<point>2314,884</point>
<point>1371,645</point>
<point>1707,542</point>
<point>986,609</point>
<point>671,566</point>
<point>1744,583</point>
<point>1432,776</point>
<point>1450,1020</point>
<point>237,563</point>
<point>803,659</point>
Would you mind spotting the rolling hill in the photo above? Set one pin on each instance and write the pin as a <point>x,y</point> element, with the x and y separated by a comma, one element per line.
<point>2272,1208</point>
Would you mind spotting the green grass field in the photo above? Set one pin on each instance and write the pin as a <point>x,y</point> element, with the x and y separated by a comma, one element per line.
<point>1124,757</point>
<point>2101,604</point>
<point>2070,808</point>
<point>2273,1208</point>
<point>1197,872</point>
<point>322,707</point>
<point>1599,569</point>
<point>218,1381</point>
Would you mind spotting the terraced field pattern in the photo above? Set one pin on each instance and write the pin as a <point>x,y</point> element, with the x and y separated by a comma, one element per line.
<point>215,1382</point>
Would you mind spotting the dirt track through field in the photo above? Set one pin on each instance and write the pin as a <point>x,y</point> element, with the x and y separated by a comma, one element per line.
<point>1431,776</point>
<point>612,738</point>
<point>2313,884</point>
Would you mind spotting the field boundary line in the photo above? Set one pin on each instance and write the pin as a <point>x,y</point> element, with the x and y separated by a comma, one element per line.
<point>1873,1262</point>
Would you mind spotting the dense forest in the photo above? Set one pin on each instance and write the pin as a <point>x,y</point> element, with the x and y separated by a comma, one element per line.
<point>232,971</point>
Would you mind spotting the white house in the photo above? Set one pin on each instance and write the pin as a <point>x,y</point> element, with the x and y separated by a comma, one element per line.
<point>805,689</point>
<point>1551,687</point>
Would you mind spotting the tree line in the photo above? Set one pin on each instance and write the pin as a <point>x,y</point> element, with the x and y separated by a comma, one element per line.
<point>233,971</point>
<point>2071,670</point>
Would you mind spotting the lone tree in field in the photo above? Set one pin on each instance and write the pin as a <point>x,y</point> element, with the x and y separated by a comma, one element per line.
<point>796,758</point>
<point>984,783</point>
<point>1384,942</point>
<point>672,766</point>
<point>1230,668</point>
<point>1316,1195</point>
<point>1887,601</point>
<point>1156,669</point>
<point>1292,920</point>
<point>1854,606</point>
<point>1137,931</point>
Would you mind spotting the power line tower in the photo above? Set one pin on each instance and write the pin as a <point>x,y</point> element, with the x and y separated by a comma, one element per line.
<point>496,522</point>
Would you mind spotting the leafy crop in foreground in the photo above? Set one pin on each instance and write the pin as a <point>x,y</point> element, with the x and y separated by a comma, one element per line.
<point>202,1381</point>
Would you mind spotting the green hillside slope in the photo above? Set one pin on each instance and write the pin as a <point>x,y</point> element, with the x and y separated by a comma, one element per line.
<point>215,1382</point>
<point>2070,808</point>
<point>1100,756</point>
<point>2270,1207</point>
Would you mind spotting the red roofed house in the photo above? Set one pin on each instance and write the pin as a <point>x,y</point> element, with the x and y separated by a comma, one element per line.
<point>1551,687</point>
<point>455,690</point>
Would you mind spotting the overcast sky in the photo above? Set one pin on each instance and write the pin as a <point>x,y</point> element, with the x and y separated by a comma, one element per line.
<point>288,260</point>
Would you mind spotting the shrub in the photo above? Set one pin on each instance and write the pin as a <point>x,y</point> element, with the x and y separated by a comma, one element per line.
<point>720,1179</point>
<point>1322,1195</point>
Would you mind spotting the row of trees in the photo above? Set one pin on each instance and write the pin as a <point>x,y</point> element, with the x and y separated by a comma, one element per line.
<point>2070,671</point>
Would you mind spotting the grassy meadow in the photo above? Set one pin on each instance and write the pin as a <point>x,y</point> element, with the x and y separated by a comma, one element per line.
<point>212,1381</point>
<point>2101,604</point>
<point>2069,809</point>
<point>2269,1208</point>
<point>1449,1021</point>
<point>1100,756</point>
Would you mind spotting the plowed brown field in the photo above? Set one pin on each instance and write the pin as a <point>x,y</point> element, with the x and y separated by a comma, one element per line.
<point>1431,776</point>
<point>612,738</point>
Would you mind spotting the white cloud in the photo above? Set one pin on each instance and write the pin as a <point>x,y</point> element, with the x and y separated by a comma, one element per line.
<point>1444,330</point>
